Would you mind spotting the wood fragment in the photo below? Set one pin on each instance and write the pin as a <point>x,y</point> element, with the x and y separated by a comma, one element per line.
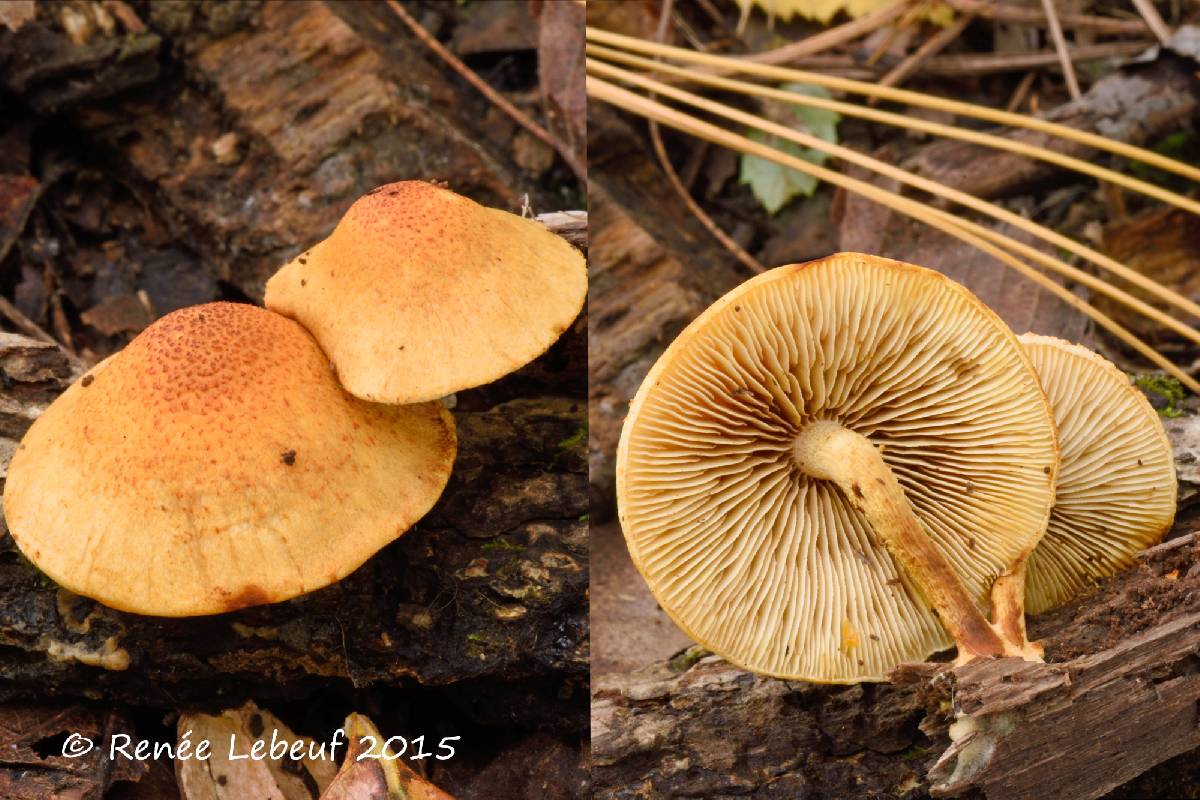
<point>1136,702</point>
<point>929,48</point>
<point>1021,92</point>
<point>570,225</point>
<point>1011,12</point>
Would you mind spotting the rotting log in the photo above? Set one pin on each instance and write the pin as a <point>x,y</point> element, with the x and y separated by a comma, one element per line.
<point>1118,696</point>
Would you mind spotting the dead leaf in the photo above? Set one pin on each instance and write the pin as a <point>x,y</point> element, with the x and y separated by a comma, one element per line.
<point>561,73</point>
<point>123,313</point>
<point>223,777</point>
<point>1163,244</point>
<point>637,18</point>
<point>18,193</point>
<point>365,777</point>
<point>15,13</point>
<point>493,27</point>
<point>820,10</point>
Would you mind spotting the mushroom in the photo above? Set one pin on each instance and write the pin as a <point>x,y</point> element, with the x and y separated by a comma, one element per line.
<point>1116,483</point>
<point>824,473</point>
<point>215,463</point>
<point>420,292</point>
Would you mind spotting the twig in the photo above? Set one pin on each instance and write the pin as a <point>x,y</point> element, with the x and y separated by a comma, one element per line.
<point>1005,12</point>
<point>833,37</point>
<point>129,18</point>
<point>1017,62</point>
<point>644,107</point>
<point>1153,20</point>
<point>933,187</point>
<point>24,323</point>
<point>672,176</point>
<point>1021,92</point>
<point>1060,46</point>
<point>931,47</point>
<point>919,100</point>
<point>936,128</point>
<point>35,331</point>
<point>963,64</point>
<point>569,225</point>
<point>734,249</point>
<point>487,91</point>
<point>714,15</point>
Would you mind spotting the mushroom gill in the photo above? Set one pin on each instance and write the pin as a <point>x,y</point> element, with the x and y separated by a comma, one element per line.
<point>767,563</point>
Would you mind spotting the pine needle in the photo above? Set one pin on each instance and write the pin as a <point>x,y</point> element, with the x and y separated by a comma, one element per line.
<point>946,223</point>
<point>933,187</point>
<point>726,64</point>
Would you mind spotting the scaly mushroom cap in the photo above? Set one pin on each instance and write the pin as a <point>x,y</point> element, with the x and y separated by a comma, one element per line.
<point>420,292</point>
<point>215,463</point>
<point>776,571</point>
<point>1116,484</point>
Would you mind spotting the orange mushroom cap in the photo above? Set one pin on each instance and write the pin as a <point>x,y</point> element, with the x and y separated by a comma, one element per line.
<point>420,292</point>
<point>215,463</point>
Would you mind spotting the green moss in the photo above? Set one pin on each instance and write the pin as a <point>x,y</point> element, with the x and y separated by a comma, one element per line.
<point>913,753</point>
<point>576,440</point>
<point>1181,146</point>
<point>476,637</point>
<point>687,659</point>
<point>136,45</point>
<point>1166,387</point>
<point>500,543</point>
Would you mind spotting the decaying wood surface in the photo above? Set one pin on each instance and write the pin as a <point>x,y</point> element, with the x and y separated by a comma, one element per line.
<point>163,154</point>
<point>1119,695</point>
<point>32,766</point>
<point>272,119</point>
<point>1092,723</point>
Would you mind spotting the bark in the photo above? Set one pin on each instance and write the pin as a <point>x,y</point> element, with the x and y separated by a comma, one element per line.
<point>1117,696</point>
<point>253,127</point>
